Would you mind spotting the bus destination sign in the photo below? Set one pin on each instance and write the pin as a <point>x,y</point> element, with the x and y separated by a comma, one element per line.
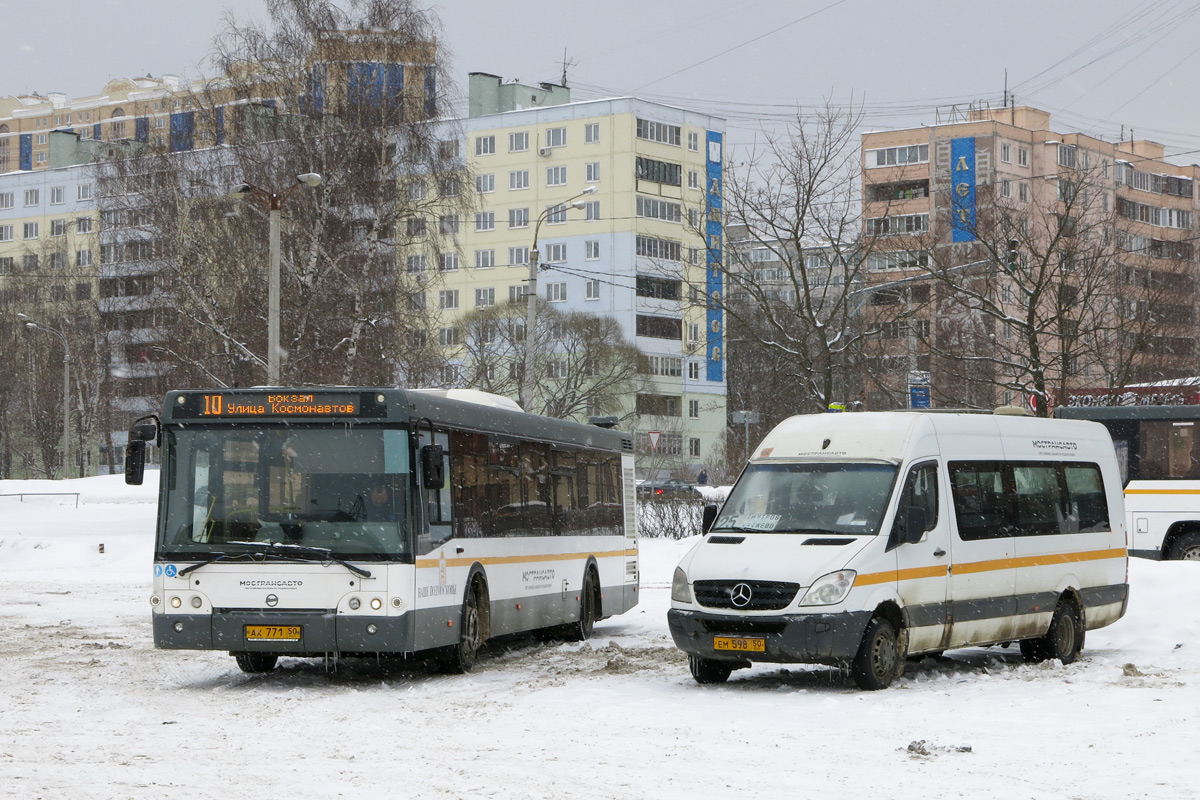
<point>267,404</point>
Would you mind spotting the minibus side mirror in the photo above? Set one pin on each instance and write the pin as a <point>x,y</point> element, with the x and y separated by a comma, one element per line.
<point>914,524</point>
<point>708,518</point>
<point>135,462</point>
<point>433,470</point>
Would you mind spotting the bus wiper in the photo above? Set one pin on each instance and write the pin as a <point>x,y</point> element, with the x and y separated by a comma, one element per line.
<point>214,557</point>
<point>303,552</point>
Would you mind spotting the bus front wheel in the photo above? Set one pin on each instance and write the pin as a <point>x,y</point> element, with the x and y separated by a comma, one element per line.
<point>461,657</point>
<point>709,670</point>
<point>880,659</point>
<point>256,662</point>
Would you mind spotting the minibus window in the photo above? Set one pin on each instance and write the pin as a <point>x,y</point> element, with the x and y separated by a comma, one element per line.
<point>1027,498</point>
<point>808,498</point>
<point>920,491</point>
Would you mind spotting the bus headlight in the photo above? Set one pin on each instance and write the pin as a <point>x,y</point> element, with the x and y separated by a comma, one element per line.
<point>829,589</point>
<point>354,603</point>
<point>680,591</point>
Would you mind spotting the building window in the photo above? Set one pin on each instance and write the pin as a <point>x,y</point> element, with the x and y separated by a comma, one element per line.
<point>556,176</point>
<point>556,137</point>
<point>42,138</point>
<point>518,256</point>
<point>591,211</point>
<point>693,179</point>
<point>416,302</point>
<point>58,195</point>
<point>693,409</point>
<point>485,184</point>
<point>30,262</point>
<point>591,249</point>
<point>1022,157</point>
<point>516,294</point>
<point>485,259</point>
<point>448,262</point>
<point>31,230</point>
<point>893,226</point>
<point>83,258</point>
<point>659,327</point>
<point>694,370</point>
<point>518,179</point>
<point>415,263</point>
<point>556,215</point>
<point>556,292</point>
<point>664,172</point>
<point>58,261</point>
<point>449,187</point>
<point>448,337</point>
<point>591,132</point>
<point>485,221</point>
<point>83,224</point>
<point>694,447</point>
<point>1006,152</point>
<point>693,141</point>
<point>891,156</point>
<point>666,366</point>
<point>518,142</point>
<point>1006,188</point>
<point>83,191</point>
<point>6,200</point>
<point>6,233</point>
<point>6,265</point>
<point>591,290</point>
<point>448,298</point>
<point>448,148</point>
<point>657,132</point>
<point>485,298</point>
<point>518,218</point>
<point>32,197</point>
<point>592,172</point>
<point>485,145</point>
<point>58,227</point>
<point>83,291</point>
<point>653,208</point>
<point>1023,192</point>
<point>448,224</point>
<point>1066,155</point>
<point>652,247</point>
<point>416,226</point>
<point>556,253</point>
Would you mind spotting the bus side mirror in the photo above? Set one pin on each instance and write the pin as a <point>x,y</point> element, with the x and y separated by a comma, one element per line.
<point>433,469</point>
<point>914,524</point>
<point>708,518</point>
<point>135,462</point>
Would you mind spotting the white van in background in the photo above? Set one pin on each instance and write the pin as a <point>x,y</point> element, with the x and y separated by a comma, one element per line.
<point>861,539</point>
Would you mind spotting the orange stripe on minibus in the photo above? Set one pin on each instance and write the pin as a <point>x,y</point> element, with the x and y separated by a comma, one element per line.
<point>1162,491</point>
<point>972,567</point>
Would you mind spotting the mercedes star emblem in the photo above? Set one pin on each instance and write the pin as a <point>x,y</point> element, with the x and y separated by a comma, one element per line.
<point>741,594</point>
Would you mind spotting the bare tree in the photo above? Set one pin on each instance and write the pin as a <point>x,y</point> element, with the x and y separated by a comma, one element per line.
<point>582,361</point>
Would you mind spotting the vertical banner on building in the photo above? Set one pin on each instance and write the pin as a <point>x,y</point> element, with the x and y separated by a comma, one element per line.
<point>962,194</point>
<point>714,231</point>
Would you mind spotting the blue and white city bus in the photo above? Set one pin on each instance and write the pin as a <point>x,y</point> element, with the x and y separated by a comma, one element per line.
<point>323,522</point>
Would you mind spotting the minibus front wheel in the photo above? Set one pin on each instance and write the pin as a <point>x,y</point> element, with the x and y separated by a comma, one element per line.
<point>880,658</point>
<point>710,670</point>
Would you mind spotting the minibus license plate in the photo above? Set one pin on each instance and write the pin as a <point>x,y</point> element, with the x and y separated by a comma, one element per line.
<point>741,644</point>
<point>273,633</point>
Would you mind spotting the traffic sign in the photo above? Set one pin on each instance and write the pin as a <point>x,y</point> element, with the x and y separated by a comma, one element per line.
<point>654,437</point>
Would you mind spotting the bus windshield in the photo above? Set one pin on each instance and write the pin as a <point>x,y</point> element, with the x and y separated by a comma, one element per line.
<point>808,498</point>
<point>232,490</point>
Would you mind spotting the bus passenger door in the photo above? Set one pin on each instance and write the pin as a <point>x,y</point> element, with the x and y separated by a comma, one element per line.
<point>982,568</point>
<point>441,571</point>
<point>921,566</point>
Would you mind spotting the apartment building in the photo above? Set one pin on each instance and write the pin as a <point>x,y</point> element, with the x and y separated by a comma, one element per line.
<point>992,190</point>
<point>637,250</point>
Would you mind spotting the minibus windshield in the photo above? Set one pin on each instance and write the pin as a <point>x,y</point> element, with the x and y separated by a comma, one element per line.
<point>848,498</point>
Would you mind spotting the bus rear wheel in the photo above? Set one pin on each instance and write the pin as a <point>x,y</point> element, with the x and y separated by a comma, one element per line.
<point>461,657</point>
<point>589,605</point>
<point>255,663</point>
<point>1186,547</point>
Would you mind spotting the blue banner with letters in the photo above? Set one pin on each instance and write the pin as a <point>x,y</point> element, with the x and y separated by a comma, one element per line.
<point>962,194</point>
<point>714,230</point>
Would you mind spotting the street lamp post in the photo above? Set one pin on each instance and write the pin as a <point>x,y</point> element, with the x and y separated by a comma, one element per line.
<point>274,202</point>
<point>66,435</point>
<point>531,293</point>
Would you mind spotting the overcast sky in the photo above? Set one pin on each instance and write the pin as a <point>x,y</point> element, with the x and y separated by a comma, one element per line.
<point>1095,66</point>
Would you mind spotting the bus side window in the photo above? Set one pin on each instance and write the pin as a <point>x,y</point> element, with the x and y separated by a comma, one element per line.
<point>920,491</point>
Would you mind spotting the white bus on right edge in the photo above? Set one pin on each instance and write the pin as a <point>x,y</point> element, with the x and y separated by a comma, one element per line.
<point>1158,450</point>
<point>861,539</point>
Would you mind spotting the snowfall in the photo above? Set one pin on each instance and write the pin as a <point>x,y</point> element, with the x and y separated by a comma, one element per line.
<point>89,709</point>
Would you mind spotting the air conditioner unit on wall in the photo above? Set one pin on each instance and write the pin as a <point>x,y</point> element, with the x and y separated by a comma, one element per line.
<point>543,151</point>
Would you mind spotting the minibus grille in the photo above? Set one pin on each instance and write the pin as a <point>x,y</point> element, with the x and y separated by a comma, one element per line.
<point>746,626</point>
<point>763,595</point>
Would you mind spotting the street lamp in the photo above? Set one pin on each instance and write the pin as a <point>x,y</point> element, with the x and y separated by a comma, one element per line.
<point>531,292</point>
<point>66,443</point>
<point>274,201</point>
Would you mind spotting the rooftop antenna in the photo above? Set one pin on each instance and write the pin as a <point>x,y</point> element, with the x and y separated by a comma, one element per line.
<point>566,64</point>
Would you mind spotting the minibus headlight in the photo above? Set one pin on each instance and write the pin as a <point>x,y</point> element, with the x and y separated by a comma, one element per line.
<point>680,592</point>
<point>829,589</point>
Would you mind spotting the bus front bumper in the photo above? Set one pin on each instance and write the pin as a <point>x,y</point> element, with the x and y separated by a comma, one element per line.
<point>319,632</point>
<point>792,638</point>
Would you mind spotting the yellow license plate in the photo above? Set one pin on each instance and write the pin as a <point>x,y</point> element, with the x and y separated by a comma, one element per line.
<point>273,633</point>
<point>741,644</point>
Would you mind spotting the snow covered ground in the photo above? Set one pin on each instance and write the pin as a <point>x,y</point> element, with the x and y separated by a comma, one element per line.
<point>91,710</point>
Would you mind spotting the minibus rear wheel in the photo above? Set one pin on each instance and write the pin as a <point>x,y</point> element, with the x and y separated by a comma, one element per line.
<point>879,660</point>
<point>709,670</point>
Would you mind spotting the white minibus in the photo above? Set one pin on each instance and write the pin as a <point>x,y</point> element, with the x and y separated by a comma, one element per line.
<point>861,539</point>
